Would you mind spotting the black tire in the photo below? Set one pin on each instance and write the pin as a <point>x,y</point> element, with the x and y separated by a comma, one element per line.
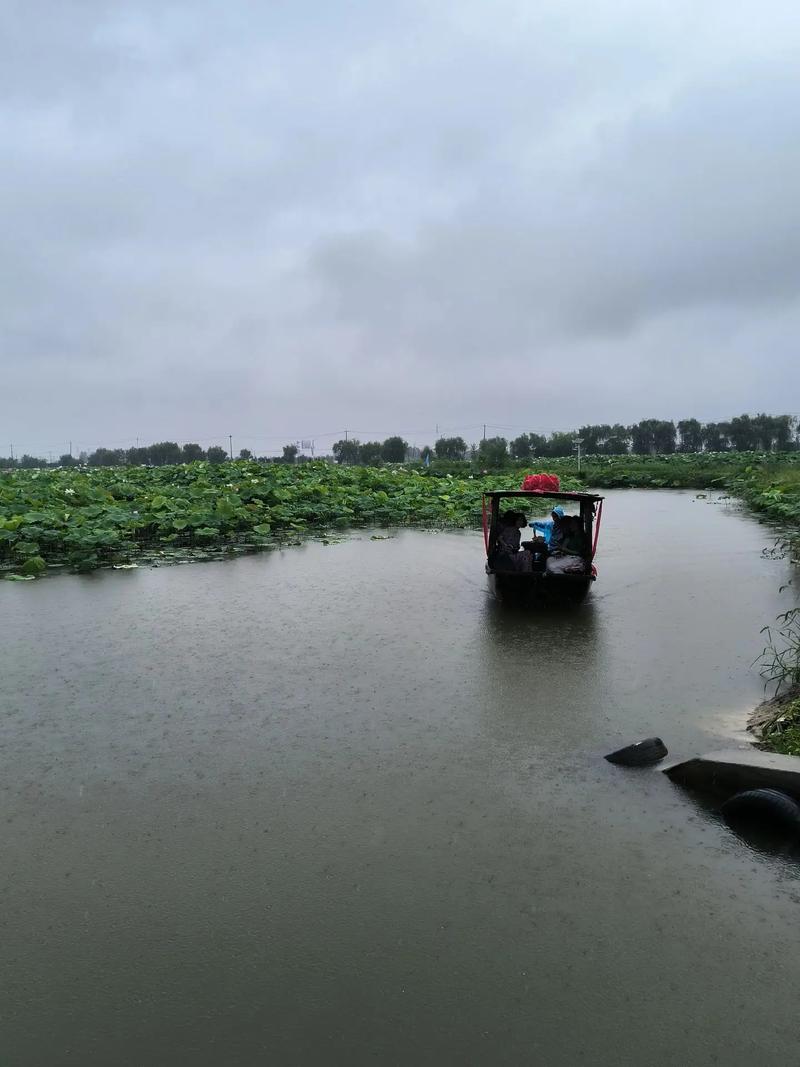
<point>766,806</point>
<point>642,754</point>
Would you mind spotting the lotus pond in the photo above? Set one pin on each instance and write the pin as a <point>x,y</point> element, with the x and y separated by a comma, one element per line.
<point>90,518</point>
<point>87,518</point>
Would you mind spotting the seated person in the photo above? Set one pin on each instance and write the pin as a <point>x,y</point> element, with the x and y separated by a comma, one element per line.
<point>508,537</point>
<point>569,558</point>
<point>509,556</point>
<point>550,528</point>
<point>573,542</point>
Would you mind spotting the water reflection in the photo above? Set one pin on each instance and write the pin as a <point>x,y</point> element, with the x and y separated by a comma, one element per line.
<point>541,666</point>
<point>548,627</point>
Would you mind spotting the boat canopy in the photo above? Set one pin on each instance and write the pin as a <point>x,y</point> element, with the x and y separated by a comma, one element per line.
<point>548,493</point>
<point>591,507</point>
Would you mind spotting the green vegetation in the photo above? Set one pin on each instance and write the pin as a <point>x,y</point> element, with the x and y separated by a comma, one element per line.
<point>91,517</point>
<point>88,518</point>
<point>777,726</point>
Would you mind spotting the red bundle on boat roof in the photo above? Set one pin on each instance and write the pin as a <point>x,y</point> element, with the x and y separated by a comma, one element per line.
<point>541,483</point>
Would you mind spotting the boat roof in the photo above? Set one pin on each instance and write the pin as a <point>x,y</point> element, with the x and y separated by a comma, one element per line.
<point>549,493</point>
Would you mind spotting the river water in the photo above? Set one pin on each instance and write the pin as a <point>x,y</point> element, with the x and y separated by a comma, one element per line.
<point>334,805</point>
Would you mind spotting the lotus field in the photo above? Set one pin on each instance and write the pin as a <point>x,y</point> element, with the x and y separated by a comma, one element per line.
<point>90,517</point>
<point>93,517</point>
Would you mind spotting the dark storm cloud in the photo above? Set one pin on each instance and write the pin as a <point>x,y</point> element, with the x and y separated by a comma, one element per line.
<point>276,219</point>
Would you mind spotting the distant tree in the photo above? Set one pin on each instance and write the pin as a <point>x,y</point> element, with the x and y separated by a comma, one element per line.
<point>538,444</point>
<point>782,427</point>
<point>716,437</point>
<point>653,435</point>
<point>370,453</point>
<point>192,452</point>
<point>165,452</point>
<point>107,457</point>
<point>216,454</point>
<point>289,453</point>
<point>427,453</point>
<point>493,452</point>
<point>67,460</point>
<point>560,444</point>
<point>665,436</point>
<point>772,432</point>
<point>451,448</point>
<point>521,446</point>
<point>618,442</point>
<point>593,437</point>
<point>742,433</point>
<point>642,438</point>
<point>7,463</point>
<point>245,453</point>
<point>691,435</point>
<point>139,456</point>
<point>394,449</point>
<point>346,452</point>
<point>30,462</point>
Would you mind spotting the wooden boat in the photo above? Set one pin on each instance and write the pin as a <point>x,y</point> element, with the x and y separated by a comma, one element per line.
<point>541,581</point>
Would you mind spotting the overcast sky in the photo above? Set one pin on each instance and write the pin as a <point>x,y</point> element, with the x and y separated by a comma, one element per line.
<point>288,218</point>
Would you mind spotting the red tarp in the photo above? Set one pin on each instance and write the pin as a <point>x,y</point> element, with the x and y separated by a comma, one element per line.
<point>541,483</point>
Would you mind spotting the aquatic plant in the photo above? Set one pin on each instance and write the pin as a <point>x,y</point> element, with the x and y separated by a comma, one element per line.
<point>87,517</point>
<point>780,657</point>
<point>90,517</point>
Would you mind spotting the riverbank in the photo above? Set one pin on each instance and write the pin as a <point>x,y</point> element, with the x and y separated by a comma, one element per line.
<point>776,723</point>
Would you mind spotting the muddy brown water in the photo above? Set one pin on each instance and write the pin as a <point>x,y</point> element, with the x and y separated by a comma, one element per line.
<point>334,805</point>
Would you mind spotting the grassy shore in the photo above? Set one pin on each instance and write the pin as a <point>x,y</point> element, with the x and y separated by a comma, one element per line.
<point>776,724</point>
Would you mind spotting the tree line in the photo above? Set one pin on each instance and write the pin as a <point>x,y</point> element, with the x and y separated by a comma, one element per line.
<point>158,455</point>
<point>745,433</point>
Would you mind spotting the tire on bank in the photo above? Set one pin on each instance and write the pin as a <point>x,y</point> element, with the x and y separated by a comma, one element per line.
<point>767,808</point>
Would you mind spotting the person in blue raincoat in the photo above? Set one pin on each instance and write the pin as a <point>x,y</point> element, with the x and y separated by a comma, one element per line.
<point>551,529</point>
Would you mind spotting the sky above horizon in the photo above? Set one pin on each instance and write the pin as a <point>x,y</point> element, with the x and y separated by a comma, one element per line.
<point>285,220</point>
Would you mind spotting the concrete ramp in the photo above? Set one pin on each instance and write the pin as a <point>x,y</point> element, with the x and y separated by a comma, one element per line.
<point>731,770</point>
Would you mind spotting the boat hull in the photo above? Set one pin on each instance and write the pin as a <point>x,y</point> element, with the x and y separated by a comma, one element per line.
<point>541,587</point>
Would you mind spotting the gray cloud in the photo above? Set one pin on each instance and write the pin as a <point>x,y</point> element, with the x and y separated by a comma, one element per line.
<point>281,219</point>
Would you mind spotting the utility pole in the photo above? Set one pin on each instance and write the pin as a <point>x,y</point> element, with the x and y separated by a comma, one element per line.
<point>230,445</point>
<point>70,450</point>
<point>484,431</point>
<point>346,432</point>
<point>12,451</point>
<point>578,441</point>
